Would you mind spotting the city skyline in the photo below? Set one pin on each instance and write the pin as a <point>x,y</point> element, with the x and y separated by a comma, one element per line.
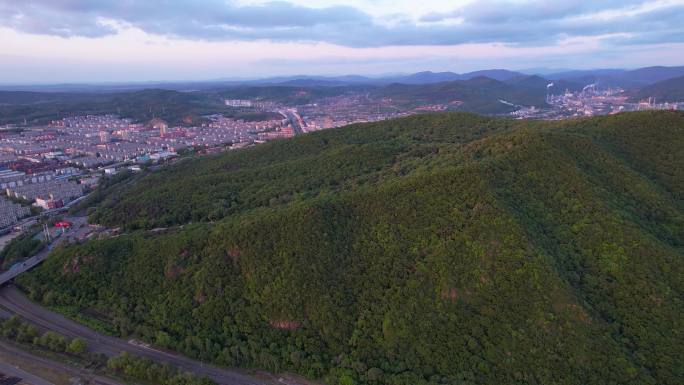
<point>107,41</point>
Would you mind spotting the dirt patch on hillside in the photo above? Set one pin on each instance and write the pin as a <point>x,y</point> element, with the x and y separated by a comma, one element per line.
<point>285,324</point>
<point>73,265</point>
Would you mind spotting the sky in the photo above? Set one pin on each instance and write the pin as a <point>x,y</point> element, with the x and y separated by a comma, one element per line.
<point>72,41</point>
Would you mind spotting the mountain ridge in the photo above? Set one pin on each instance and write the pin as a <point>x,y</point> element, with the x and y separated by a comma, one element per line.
<point>622,77</point>
<point>670,90</point>
<point>435,249</point>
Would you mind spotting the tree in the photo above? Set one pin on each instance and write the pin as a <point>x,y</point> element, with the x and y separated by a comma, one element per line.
<point>52,341</point>
<point>77,346</point>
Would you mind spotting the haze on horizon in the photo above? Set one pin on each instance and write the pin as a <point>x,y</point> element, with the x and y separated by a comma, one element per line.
<point>56,41</point>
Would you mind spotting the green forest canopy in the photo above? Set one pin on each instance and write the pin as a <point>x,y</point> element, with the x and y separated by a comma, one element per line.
<point>436,249</point>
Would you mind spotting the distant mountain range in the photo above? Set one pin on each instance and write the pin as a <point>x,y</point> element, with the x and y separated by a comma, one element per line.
<point>437,77</point>
<point>489,92</point>
<point>669,90</point>
<point>620,78</point>
<point>609,77</point>
<point>479,94</point>
<point>425,77</point>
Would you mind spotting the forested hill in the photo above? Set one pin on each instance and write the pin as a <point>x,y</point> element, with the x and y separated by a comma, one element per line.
<point>437,249</point>
<point>670,90</point>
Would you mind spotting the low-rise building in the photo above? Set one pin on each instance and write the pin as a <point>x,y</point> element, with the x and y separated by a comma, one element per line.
<point>11,213</point>
<point>49,203</point>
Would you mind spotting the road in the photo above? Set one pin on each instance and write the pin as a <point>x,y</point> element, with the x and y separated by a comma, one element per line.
<point>295,120</point>
<point>47,364</point>
<point>7,238</point>
<point>44,214</point>
<point>28,264</point>
<point>16,303</point>
<point>10,370</point>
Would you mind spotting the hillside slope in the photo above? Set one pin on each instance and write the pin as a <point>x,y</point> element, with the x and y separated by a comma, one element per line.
<point>440,249</point>
<point>639,77</point>
<point>178,108</point>
<point>479,95</point>
<point>671,90</point>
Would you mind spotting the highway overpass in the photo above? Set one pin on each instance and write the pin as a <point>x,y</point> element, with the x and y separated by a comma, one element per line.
<point>26,265</point>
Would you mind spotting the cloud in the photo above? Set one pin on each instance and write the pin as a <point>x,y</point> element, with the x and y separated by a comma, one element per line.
<point>534,22</point>
<point>212,19</point>
<point>500,11</point>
